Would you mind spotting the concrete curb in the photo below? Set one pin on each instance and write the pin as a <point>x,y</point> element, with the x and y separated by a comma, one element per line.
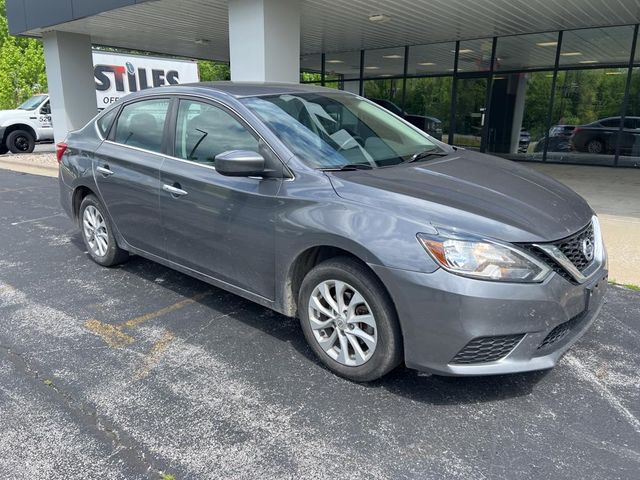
<point>27,166</point>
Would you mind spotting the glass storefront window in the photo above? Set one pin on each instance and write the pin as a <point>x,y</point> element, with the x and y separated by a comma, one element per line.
<point>588,103</point>
<point>593,46</point>
<point>428,100</point>
<point>343,66</point>
<point>524,52</point>
<point>585,124</point>
<point>385,92</point>
<point>475,55</point>
<point>630,138</point>
<point>519,109</point>
<point>431,59</point>
<point>385,62</point>
<point>311,64</point>
<point>470,112</point>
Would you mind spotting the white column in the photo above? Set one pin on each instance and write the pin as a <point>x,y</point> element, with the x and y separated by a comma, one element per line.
<point>71,82</point>
<point>521,80</point>
<point>264,40</point>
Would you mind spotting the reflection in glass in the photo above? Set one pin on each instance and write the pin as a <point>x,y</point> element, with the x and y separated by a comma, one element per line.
<point>384,62</point>
<point>431,59</point>
<point>519,109</point>
<point>523,52</point>
<point>430,98</point>
<point>588,103</point>
<point>470,112</point>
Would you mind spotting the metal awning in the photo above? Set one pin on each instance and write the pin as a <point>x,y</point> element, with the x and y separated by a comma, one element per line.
<point>199,28</point>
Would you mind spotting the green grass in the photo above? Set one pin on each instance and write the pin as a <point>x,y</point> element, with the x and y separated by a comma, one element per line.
<point>167,476</point>
<point>630,286</point>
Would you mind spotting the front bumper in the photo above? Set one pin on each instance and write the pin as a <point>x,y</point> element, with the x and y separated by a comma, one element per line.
<point>442,315</point>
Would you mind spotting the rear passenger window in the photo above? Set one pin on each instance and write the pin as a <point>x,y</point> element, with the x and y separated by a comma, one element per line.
<point>141,124</point>
<point>105,121</point>
<point>203,131</point>
<point>610,123</point>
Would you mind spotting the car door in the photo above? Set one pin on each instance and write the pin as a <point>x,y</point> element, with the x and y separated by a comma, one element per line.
<point>45,127</point>
<point>220,226</point>
<point>127,172</point>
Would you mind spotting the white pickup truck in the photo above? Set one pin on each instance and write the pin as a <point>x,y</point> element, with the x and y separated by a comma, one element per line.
<point>22,128</point>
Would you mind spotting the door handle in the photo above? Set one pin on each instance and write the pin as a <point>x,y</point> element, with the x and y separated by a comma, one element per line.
<point>104,171</point>
<point>178,192</point>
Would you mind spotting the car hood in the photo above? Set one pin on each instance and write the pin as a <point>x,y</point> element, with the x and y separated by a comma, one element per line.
<point>471,192</point>
<point>5,114</point>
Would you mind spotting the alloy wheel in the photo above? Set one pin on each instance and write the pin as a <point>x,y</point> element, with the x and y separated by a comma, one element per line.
<point>95,231</point>
<point>342,323</point>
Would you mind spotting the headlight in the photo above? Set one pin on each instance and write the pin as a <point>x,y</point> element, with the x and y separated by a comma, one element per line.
<point>482,258</point>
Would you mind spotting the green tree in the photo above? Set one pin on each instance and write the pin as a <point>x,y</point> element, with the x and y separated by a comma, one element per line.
<point>22,70</point>
<point>213,71</point>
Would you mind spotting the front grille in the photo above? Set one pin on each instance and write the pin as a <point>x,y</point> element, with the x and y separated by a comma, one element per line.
<point>560,332</point>
<point>487,349</point>
<point>572,247</point>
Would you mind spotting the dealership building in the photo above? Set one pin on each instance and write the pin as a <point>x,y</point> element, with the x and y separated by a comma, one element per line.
<point>538,80</point>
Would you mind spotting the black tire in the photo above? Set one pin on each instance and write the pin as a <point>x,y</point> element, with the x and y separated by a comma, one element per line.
<point>595,146</point>
<point>3,148</point>
<point>20,141</point>
<point>114,255</point>
<point>388,351</point>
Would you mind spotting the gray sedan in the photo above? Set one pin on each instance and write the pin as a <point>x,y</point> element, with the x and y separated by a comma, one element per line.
<point>388,244</point>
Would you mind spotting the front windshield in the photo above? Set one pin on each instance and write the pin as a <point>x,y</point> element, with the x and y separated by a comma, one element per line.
<point>333,130</point>
<point>32,103</point>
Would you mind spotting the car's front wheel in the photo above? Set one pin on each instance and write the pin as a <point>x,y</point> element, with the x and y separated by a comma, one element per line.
<point>97,233</point>
<point>595,146</point>
<point>349,320</point>
<point>20,141</point>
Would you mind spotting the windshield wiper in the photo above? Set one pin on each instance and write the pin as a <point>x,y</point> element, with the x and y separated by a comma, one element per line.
<point>435,152</point>
<point>348,167</point>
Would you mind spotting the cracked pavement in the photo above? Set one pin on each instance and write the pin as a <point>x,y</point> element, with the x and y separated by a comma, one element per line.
<point>138,370</point>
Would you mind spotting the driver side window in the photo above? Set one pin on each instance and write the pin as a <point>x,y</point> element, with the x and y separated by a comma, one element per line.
<point>46,108</point>
<point>204,131</point>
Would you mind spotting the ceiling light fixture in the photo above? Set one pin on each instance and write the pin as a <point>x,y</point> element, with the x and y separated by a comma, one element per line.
<point>335,61</point>
<point>393,57</point>
<point>372,68</point>
<point>202,41</point>
<point>613,73</point>
<point>426,64</point>
<point>378,18</point>
<point>547,44</point>
<point>588,61</point>
<point>570,54</point>
<point>465,50</point>
<point>386,75</point>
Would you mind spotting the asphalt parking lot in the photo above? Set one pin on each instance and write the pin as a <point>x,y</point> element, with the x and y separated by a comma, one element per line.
<point>139,370</point>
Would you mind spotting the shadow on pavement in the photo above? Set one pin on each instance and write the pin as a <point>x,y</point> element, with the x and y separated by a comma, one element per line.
<point>416,386</point>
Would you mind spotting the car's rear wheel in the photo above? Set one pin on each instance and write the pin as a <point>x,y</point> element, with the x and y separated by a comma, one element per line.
<point>20,141</point>
<point>97,233</point>
<point>595,146</point>
<point>349,320</point>
<point>3,148</point>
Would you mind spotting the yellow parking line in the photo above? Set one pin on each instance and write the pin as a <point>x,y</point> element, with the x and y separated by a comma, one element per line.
<point>152,358</point>
<point>134,322</point>
<point>111,334</point>
<point>114,336</point>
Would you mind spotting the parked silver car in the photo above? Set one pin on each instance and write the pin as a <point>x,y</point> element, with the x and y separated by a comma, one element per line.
<point>387,244</point>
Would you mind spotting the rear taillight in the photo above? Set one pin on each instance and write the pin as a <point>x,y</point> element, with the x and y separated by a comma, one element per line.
<point>60,149</point>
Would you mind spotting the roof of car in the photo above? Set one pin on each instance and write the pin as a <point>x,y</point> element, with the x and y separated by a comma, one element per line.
<point>252,89</point>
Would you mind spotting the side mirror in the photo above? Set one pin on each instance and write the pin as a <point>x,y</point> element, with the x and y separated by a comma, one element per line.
<point>239,163</point>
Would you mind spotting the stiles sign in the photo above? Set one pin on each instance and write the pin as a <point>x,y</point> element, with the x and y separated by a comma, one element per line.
<point>117,75</point>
